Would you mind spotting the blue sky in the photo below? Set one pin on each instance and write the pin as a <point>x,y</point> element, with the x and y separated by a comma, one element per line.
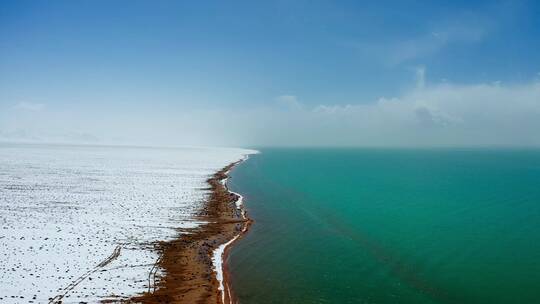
<point>113,63</point>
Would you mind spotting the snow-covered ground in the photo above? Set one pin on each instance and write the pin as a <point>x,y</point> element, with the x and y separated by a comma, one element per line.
<point>65,211</point>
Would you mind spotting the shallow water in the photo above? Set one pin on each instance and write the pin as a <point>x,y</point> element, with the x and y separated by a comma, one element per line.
<point>66,209</point>
<point>389,226</point>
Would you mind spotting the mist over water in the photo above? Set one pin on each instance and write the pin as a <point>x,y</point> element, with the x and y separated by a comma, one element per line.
<point>426,115</point>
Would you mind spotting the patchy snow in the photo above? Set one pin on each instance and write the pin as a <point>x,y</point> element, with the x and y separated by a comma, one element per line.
<point>77,222</point>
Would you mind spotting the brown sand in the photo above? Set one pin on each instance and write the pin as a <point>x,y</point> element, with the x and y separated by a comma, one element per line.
<point>189,276</point>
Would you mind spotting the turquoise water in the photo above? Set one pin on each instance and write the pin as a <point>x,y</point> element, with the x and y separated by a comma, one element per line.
<point>389,226</point>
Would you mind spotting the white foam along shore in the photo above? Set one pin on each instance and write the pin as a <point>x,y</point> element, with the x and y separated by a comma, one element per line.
<point>217,257</point>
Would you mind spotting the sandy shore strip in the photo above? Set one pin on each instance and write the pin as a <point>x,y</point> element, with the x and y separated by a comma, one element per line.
<point>193,264</point>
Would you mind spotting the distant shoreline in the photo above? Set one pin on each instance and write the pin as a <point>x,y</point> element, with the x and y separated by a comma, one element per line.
<point>193,264</point>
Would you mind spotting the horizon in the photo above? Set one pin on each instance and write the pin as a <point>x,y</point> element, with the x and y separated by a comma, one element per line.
<point>267,147</point>
<point>292,74</point>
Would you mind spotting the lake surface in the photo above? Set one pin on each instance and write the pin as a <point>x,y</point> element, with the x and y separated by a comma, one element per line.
<point>389,226</point>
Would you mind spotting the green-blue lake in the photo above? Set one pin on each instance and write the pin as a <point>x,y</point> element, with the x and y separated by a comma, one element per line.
<point>389,226</point>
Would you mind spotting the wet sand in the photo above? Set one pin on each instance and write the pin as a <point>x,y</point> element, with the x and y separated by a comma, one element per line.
<point>188,272</point>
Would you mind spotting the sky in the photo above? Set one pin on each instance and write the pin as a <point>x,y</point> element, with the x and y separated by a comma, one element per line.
<point>272,73</point>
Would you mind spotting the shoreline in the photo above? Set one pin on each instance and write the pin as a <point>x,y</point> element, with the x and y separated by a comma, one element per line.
<point>193,264</point>
<point>220,254</point>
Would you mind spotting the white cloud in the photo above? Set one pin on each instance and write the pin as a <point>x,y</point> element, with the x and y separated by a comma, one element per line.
<point>445,114</point>
<point>441,114</point>
<point>434,41</point>
<point>456,30</point>
<point>420,77</point>
<point>289,101</point>
<point>28,106</point>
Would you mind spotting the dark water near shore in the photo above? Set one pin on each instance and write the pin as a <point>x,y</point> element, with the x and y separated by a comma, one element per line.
<point>389,226</point>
